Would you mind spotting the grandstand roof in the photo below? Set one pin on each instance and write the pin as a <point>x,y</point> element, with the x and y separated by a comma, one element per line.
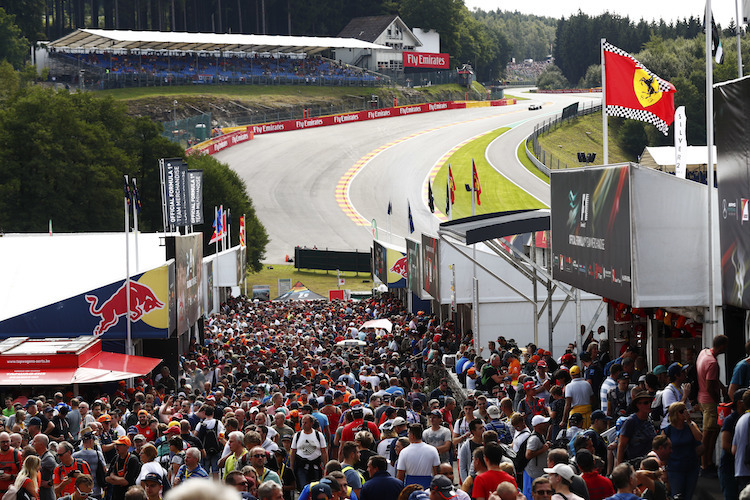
<point>173,40</point>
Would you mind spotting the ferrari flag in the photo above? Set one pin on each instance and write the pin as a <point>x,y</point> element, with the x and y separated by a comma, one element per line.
<point>636,93</point>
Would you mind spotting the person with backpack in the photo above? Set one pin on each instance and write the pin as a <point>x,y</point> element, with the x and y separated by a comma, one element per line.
<point>354,478</point>
<point>534,452</point>
<point>10,462</point>
<point>677,390</point>
<point>208,432</point>
<point>637,431</point>
<point>309,453</point>
<point>93,456</point>
<point>466,451</point>
<point>69,469</point>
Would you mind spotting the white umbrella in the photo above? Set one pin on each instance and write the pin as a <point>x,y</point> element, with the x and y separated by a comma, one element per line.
<point>351,343</point>
<point>382,324</point>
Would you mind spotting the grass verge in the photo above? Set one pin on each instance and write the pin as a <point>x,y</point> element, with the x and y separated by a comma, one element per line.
<point>317,281</point>
<point>521,153</point>
<point>498,193</point>
<point>582,134</point>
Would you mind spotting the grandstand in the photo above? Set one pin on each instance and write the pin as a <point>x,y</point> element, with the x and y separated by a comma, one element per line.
<point>108,59</point>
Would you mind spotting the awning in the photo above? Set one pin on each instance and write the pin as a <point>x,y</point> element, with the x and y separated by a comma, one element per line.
<point>478,228</point>
<point>104,367</point>
<point>381,324</point>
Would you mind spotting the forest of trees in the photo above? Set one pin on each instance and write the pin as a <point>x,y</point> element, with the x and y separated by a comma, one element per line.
<point>63,157</point>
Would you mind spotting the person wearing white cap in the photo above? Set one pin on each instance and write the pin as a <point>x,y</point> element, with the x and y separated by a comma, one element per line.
<point>561,477</point>
<point>536,452</point>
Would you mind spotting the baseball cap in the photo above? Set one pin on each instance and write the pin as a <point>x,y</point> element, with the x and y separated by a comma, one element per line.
<point>87,435</point>
<point>153,476</point>
<point>576,417</point>
<point>30,402</point>
<point>387,425</point>
<point>494,412</point>
<point>541,364</point>
<point>659,369</point>
<point>398,421</point>
<point>139,437</point>
<point>124,440</point>
<point>575,370</point>
<point>280,451</point>
<point>35,421</point>
<point>563,470</point>
<point>419,495</point>
<point>105,418</point>
<point>175,429</point>
<point>527,386</point>
<point>599,415</point>
<point>133,430</point>
<point>319,489</point>
<point>443,485</point>
<point>676,368</point>
<point>539,419</point>
<point>436,413</point>
<point>142,412</point>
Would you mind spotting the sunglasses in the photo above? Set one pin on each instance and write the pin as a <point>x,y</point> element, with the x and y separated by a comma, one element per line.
<point>83,494</point>
<point>259,455</point>
<point>543,492</point>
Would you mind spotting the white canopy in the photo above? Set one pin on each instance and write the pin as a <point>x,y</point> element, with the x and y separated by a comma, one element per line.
<point>381,324</point>
<point>111,40</point>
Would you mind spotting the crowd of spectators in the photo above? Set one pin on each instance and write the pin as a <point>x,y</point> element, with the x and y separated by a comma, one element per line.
<point>205,67</point>
<point>299,401</point>
<point>525,71</point>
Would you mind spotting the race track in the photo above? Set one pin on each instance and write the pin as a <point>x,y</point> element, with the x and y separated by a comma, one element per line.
<point>292,176</point>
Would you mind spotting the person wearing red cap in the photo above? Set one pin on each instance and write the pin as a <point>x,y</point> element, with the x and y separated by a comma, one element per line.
<point>530,405</point>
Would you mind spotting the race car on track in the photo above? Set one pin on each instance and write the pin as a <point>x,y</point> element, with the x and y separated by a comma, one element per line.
<point>535,105</point>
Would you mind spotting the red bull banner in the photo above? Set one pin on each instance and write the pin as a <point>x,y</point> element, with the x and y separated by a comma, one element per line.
<point>102,312</point>
<point>389,265</point>
<point>426,60</point>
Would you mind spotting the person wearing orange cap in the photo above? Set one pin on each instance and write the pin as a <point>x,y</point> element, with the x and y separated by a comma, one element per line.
<point>579,398</point>
<point>123,470</point>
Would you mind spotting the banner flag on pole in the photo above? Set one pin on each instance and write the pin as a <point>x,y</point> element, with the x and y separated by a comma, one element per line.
<point>136,197</point>
<point>430,198</point>
<point>242,231</point>
<point>716,49</point>
<point>411,221</point>
<point>127,192</point>
<point>680,142</point>
<point>475,178</point>
<point>452,185</point>
<point>218,226</point>
<point>390,208</point>
<point>632,91</point>
<point>447,196</point>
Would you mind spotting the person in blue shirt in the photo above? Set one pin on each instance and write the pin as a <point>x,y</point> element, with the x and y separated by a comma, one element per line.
<point>381,485</point>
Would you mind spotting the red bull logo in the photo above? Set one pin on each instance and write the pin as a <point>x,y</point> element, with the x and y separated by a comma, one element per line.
<point>143,300</point>
<point>399,267</point>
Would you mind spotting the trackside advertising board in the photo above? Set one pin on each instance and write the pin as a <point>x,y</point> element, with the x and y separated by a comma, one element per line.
<point>101,312</point>
<point>733,147</point>
<point>431,266</point>
<point>591,241</point>
<point>426,60</point>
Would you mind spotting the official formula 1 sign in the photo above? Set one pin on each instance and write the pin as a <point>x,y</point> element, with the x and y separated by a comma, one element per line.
<point>426,60</point>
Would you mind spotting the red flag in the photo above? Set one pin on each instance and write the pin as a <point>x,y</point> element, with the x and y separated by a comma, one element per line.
<point>635,92</point>
<point>242,231</point>
<point>452,184</point>
<point>475,178</point>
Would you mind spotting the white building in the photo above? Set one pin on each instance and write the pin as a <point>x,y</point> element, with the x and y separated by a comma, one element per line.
<point>390,31</point>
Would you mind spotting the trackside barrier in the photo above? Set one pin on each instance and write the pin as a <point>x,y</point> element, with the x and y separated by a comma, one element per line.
<point>209,147</point>
<point>222,142</point>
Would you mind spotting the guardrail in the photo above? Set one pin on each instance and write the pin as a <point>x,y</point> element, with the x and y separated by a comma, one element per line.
<point>544,160</point>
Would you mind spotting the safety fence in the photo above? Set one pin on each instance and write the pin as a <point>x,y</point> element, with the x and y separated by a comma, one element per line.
<point>543,159</point>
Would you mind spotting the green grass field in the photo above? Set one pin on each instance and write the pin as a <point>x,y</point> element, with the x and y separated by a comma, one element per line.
<point>581,134</point>
<point>317,281</point>
<point>521,153</point>
<point>498,193</point>
<point>264,91</point>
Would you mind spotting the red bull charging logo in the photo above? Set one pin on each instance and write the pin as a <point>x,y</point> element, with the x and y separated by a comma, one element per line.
<point>143,300</point>
<point>399,267</point>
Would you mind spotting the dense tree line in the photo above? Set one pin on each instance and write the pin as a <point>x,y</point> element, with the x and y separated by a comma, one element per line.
<point>63,157</point>
<point>532,36</point>
<point>578,38</point>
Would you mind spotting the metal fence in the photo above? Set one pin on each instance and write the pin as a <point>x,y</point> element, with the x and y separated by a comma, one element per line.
<point>188,131</point>
<point>545,157</point>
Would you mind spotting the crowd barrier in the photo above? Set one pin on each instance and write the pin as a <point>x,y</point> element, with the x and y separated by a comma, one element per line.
<point>248,132</point>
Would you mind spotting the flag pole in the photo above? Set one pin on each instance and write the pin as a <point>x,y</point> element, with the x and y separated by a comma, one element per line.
<point>135,226</point>
<point>229,234</point>
<point>129,341</point>
<point>605,140</point>
<point>474,281</point>
<point>739,38</point>
<point>708,331</point>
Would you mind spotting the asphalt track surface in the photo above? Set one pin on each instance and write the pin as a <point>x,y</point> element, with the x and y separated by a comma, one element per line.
<point>292,176</point>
